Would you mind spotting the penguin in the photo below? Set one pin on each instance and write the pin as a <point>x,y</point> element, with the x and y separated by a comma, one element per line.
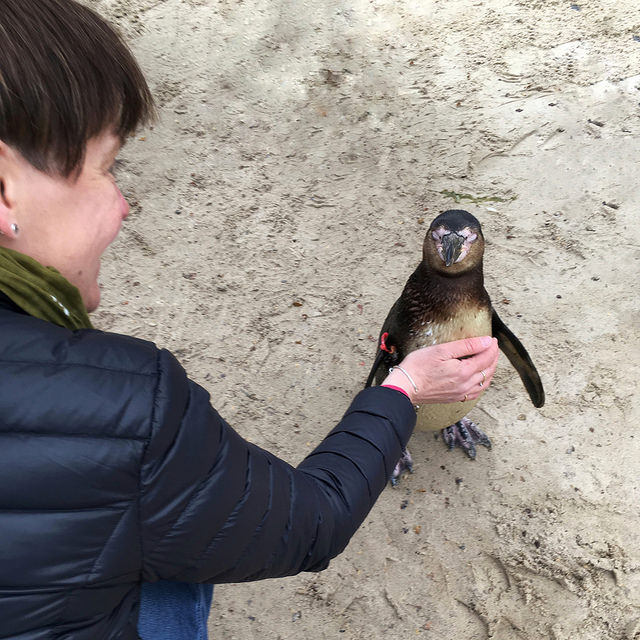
<point>443,300</point>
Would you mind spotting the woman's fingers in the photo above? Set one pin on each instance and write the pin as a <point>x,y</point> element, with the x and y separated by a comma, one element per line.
<point>479,371</point>
<point>467,347</point>
<point>481,361</point>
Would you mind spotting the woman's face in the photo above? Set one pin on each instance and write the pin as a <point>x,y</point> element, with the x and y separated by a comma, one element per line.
<point>67,223</point>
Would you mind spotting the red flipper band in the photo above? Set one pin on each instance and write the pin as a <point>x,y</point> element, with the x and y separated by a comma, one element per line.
<point>383,343</point>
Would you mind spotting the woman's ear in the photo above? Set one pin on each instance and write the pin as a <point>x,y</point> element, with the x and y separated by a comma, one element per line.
<point>7,205</point>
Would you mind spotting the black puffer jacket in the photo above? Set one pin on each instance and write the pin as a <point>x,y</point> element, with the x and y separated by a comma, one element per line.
<point>114,469</point>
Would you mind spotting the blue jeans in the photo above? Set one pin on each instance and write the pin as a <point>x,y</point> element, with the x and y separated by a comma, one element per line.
<point>174,610</point>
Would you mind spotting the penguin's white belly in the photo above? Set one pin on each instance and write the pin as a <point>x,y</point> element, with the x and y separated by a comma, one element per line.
<point>467,323</point>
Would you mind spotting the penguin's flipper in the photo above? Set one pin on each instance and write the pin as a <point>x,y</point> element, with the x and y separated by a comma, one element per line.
<point>376,363</point>
<point>388,353</point>
<point>519,358</point>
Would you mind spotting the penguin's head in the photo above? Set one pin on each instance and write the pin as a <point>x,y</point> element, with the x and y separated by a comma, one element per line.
<point>454,243</point>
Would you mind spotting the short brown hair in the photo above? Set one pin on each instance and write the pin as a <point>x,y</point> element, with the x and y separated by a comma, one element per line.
<point>65,77</point>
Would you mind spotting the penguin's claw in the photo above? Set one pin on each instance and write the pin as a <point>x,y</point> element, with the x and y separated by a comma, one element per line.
<point>405,463</point>
<point>465,434</point>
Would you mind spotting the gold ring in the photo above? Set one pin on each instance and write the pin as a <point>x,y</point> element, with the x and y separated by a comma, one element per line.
<point>465,398</point>
<point>484,377</point>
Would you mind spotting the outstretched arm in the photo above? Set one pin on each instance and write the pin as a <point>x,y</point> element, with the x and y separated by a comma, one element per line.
<point>216,508</point>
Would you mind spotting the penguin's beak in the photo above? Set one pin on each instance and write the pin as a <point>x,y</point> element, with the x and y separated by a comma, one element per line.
<point>451,247</point>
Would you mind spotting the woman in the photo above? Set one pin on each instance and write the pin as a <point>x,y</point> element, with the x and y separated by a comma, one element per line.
<point>116,471</point>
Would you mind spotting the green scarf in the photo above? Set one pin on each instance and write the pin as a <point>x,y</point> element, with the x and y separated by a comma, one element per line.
<point>41,291</point>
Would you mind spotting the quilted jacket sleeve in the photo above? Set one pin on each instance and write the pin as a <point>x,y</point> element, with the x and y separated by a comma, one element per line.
<point>215,508</point>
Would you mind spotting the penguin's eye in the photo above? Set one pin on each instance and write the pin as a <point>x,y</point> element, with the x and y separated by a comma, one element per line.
<point>438,234</point>
<point>469,236</point>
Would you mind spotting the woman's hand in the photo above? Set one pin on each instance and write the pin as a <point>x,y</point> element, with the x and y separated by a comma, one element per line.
<point>440,374</point>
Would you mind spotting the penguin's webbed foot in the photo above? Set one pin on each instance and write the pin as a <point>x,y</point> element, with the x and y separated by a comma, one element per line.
<point>405,462</point>
<point>465,434</point>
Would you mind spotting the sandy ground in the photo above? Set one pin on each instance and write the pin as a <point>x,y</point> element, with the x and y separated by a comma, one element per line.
<point>279,206</point>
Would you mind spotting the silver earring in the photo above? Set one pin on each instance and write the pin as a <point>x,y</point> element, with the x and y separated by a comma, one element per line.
<point>14,228</point>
